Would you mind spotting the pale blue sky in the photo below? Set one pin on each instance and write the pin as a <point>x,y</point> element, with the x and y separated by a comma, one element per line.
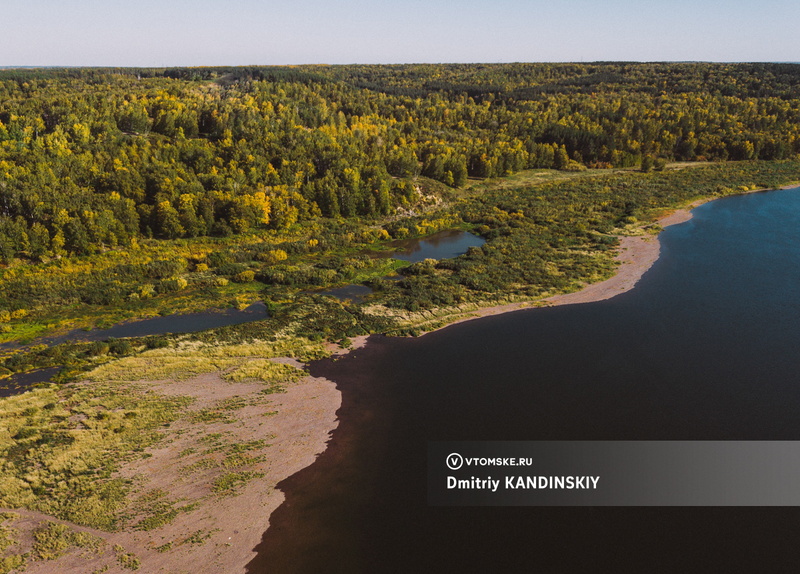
<point>241,32</point>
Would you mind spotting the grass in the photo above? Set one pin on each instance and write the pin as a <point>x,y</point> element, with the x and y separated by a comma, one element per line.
<point>127,560</point>
<point>48,313</point>
<point>229,483</point>
<point>7,534</point>
<point>210,416</point>
<point>157,510</point>
<point>347,242</point>
<point>238,460</point>
<point>198,537</point>
<point>60,447</point>
<point>8,539</point>
<point>202,464</point>
<point>246,446</point>
<point>13,563</point>
<point>265,371</point>
<point>52,540</point>
<point>240,362</point>
<point>532,177</point>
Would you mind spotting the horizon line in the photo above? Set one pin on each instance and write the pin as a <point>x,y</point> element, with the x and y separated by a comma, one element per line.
<point>112,66</point>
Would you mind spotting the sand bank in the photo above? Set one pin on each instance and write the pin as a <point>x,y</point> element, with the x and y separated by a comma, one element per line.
<point>636,255</point>
<point>281,433</point>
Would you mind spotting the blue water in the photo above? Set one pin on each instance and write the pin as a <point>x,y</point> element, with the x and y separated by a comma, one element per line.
<point>707,346</point>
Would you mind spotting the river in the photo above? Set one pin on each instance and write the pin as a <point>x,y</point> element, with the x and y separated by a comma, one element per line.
<point>705,347</point>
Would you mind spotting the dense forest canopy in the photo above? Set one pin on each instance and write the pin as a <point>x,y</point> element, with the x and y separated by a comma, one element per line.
<point>96,158</point>
<point>130,193</point>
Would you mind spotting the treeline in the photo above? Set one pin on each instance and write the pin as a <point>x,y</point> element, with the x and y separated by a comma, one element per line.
<point>329,253</point>
<point>528,81</point>
<point>96,158</point>
<point>541,238</point>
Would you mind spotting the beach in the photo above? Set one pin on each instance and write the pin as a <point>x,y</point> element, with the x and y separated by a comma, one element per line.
<point>282,433</point>
<point>220,533</point>
<point>636,254</point>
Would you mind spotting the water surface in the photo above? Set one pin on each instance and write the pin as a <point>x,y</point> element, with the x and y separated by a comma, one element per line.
<point>170,324</point>
<point>442,245</point>
<point>353,292</point>
<point>21,382</point>
<point>707,346</point>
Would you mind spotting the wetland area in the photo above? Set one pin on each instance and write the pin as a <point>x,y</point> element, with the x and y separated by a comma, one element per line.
<point>224,293</point>
<point>705,347</point>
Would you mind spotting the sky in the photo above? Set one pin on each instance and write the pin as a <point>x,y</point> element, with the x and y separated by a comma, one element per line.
<point>157,33</point>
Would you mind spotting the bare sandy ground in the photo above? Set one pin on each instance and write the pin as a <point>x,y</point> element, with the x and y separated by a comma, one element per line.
<point>219,534</point>
<point>307,414</point>
<point>636,255</point>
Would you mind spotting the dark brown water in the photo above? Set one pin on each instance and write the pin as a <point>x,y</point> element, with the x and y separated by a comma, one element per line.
<point>442,245</point>
<point>186,323</point>
<point>707,346</point>
<point>21,382</point>
<point>354,293</point>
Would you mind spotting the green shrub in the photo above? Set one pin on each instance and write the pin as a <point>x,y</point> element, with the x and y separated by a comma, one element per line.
<point>244,276</point>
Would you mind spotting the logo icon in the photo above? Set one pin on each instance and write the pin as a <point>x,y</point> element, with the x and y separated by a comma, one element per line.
<point>454,461</point>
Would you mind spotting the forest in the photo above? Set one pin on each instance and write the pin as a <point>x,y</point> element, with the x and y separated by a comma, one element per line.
<point>96,159</point>
<point>130,193</point>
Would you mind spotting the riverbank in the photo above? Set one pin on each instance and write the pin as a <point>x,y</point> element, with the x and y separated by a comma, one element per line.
<point>201,497</point>
<point>636,254</point>
<point>220,532</point>
<point>583,372</point>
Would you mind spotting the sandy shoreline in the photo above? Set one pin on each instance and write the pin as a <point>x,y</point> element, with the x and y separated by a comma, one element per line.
<point>282,432</point>
<point>297,426</point>
<point>636,255</point>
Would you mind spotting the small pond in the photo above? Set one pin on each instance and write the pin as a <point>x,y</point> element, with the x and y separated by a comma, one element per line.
<point>442,245</point>
<point>21,382</point>
<point>354,293</point>
<point>170,324</point>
